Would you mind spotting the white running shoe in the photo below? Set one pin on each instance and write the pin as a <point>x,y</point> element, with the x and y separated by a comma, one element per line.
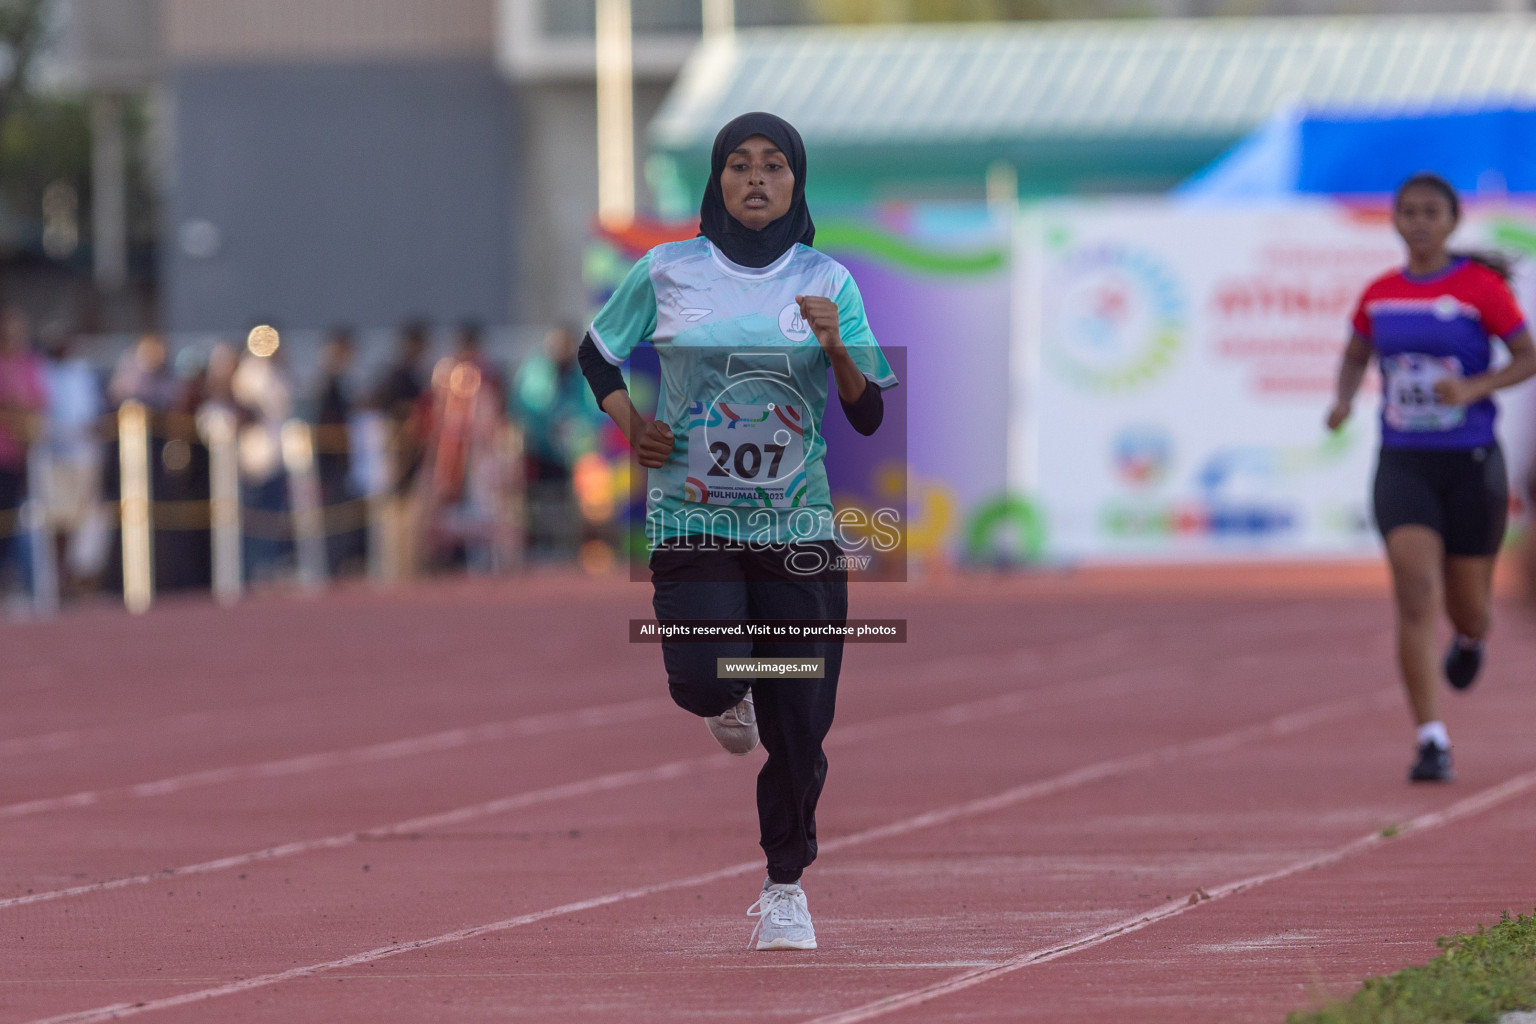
<point>736,730</point>
<point>783,918</point>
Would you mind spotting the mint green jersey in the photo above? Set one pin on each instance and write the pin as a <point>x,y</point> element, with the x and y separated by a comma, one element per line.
<point>744,387</point>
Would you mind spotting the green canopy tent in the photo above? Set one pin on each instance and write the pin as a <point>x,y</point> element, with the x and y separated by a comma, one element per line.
<point>1132,106</point>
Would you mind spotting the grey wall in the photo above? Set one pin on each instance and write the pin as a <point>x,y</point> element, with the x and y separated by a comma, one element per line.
<point>356,193</point>
<point>558,194</point>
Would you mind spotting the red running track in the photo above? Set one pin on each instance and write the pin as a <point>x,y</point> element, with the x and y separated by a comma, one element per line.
<point>473,802</point>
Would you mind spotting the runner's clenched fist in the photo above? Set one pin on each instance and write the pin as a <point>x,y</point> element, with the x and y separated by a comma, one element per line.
<point>820,315</point>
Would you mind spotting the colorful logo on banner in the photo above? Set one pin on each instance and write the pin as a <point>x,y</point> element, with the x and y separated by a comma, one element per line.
<point>1142,454</point>
<point>1119,319</point>
<point>1241,494</point>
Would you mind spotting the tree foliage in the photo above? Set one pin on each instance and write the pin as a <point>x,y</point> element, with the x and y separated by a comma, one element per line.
<point>44,140</point>
<point>44,137</point>
<point>21,32</point>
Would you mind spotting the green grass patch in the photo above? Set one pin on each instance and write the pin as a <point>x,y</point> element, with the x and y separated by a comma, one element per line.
<point>1474,979</point>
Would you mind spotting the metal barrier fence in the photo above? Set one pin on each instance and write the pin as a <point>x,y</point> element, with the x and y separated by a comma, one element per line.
<point>392,522</point>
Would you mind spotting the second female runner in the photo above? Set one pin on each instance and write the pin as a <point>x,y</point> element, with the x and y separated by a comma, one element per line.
<point>1441,491</point>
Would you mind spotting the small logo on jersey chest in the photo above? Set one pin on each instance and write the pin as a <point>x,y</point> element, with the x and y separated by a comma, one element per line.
<point>693,314</point>
<point>1446,308</point>
<point>792,325</point>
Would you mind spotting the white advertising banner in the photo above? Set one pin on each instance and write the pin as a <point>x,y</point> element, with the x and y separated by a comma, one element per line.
<point>1172,367</point>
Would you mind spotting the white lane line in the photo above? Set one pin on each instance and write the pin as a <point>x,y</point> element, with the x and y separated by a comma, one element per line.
<point>449,739</point>
<point>955,714</point>
<point>68,739</point>
<point>1474,804</point>
<point>564,791</point>
<point>1283,725</point>
<point>947,669</point>
<point>47,743</point>
<point>1279,726</point>
<point>938,671</point>
<point>119,1010</point>
<point>735,964</point>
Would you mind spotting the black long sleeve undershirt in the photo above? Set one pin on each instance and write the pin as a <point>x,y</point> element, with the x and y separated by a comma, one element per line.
<point>865,414</point>
<point>602,376</point>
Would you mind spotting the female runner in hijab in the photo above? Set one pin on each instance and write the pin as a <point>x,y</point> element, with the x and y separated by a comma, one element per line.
<point>746,320</point>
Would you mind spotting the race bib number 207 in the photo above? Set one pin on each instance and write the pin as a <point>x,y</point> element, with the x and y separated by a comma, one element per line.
<point>1411,403</point>
<point>747,455</point>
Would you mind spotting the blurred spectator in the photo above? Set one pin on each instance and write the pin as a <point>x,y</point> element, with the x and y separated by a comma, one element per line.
<point>345,539</point>
<point>551,400</point>
<point>181,481</point>
<point>263,397</point>
<point>72,438</point>
<point>208,389</point>
<point>399,397</point>
<point>402,399</point>
<point>217,385</point>
<point>470,348</point>
<point>465,485</point>
<point>144,374</point>
<point>23,398</point>
<point>555,407</point>
<point>333,460</point>
<point>191,391</point>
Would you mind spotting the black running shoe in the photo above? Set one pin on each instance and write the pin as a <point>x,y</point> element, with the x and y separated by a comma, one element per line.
<point>1461,665</point>
<point>1433,764</point>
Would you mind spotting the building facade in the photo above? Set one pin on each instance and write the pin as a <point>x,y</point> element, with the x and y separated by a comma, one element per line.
<point>361,161</point>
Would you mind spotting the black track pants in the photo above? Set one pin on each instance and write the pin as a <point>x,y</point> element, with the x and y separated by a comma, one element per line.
<point>793,715</point>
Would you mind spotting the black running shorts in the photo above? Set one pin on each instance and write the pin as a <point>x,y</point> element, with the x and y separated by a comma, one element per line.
<point>1461,495</point>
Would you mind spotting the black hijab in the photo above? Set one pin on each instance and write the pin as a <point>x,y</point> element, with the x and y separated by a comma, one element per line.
<point>737,242</point>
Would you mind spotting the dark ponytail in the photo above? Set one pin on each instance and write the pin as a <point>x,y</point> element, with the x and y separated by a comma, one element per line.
<point>1494,261</point>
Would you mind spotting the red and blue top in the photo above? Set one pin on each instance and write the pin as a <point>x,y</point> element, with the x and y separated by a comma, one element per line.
<point>1427,328</point>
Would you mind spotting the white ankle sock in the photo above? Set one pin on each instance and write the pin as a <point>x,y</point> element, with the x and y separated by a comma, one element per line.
<point>1434,732</point>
